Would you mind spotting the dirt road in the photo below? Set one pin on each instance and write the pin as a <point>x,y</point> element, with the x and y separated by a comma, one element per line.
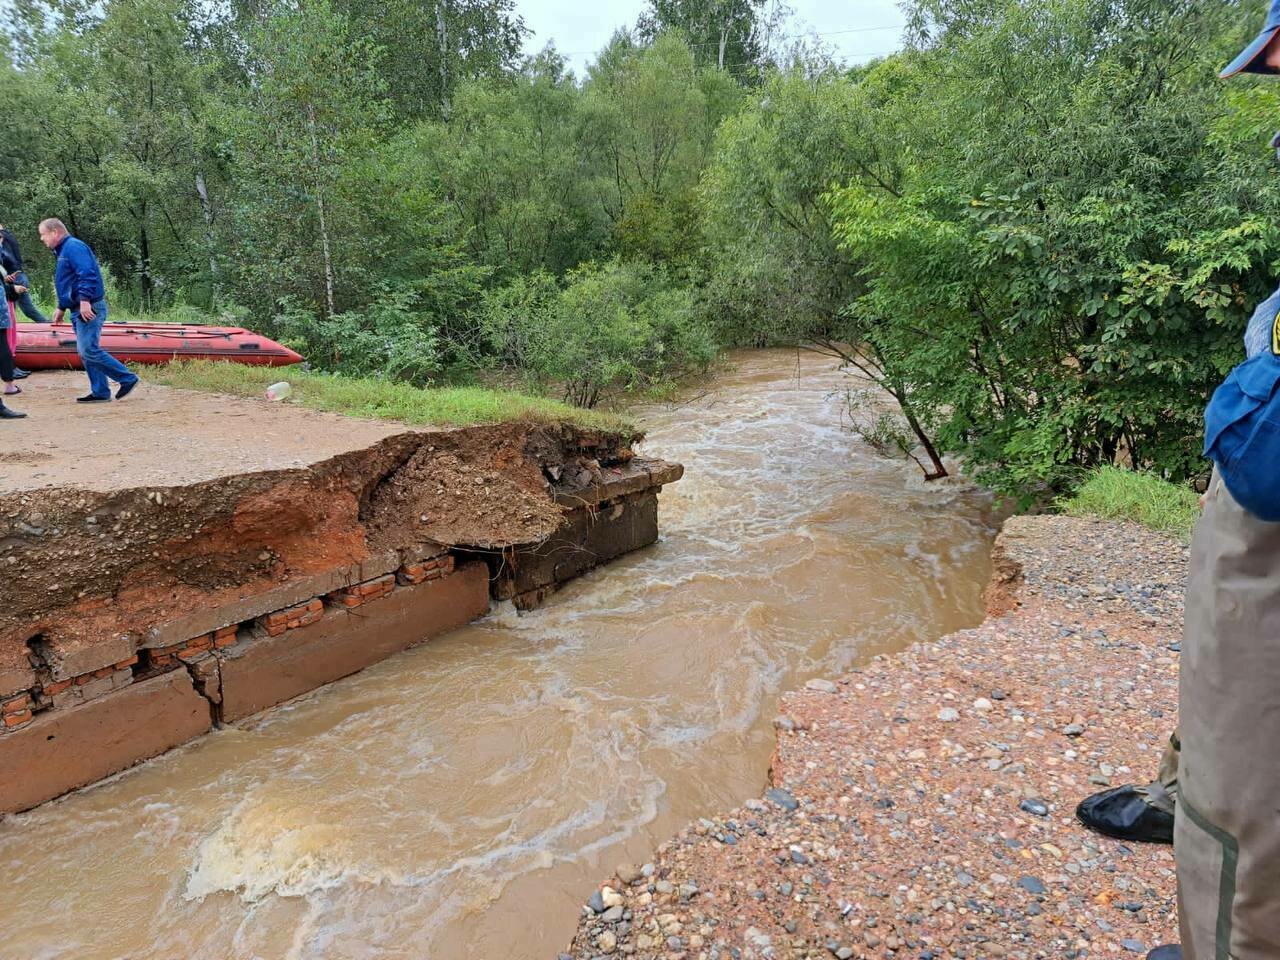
<point>161,436</point>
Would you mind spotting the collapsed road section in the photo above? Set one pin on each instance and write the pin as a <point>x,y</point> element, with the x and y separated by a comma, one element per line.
<point>136,618</point>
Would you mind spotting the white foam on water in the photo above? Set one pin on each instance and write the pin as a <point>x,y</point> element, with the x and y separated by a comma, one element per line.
<point>266,847</point>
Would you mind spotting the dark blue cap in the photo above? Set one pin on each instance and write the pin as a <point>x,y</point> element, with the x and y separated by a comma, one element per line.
<point>1249,60</point>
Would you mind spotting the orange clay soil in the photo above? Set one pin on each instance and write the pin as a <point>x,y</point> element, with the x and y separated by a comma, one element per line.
<point>121,516</point>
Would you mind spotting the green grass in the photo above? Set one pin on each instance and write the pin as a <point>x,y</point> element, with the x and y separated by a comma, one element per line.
<point>1116,494</point>
<point>382,399</point>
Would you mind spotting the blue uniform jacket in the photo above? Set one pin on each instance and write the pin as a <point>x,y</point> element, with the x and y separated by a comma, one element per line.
<point>77,276</point>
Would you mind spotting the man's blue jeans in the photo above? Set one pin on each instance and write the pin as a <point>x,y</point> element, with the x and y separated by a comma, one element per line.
<point>98,364</point>
<point>26,304</point>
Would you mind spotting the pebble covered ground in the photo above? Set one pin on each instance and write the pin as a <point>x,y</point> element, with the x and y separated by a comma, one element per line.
<point>923,806</point>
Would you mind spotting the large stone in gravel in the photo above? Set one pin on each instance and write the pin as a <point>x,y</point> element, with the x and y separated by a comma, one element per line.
<point>820,686</point>
<point>1034,807</point>
<point>782,798</point>
<point>1033,885</point>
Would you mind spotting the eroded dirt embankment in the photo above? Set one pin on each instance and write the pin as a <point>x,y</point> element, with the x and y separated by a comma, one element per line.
<point>923,806</point>
<point>83,566</point>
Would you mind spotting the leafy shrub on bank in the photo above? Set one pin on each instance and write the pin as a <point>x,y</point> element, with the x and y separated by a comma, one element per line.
<point>390,339</point>
<point>612,327</point>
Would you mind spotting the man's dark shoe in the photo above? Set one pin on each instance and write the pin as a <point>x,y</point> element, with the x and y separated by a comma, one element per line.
<point>1122,813</point>
<point>1170,951</point>
<point>7,414</point>
<point>125,389</point>
<point>20,374</point>
<point>92,398</point>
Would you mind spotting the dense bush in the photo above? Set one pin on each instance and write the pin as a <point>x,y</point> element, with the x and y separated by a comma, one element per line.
<point>387,340</point>
<point>616,326</point>
<point>1058,274</point>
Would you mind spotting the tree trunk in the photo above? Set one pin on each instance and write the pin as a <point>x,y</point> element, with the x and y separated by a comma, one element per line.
<point>324,225</point>
<point>206,210</point>
<point>442,41</point>
<point>144,254</point>
<point>724,40</point>
<point>938,471</point>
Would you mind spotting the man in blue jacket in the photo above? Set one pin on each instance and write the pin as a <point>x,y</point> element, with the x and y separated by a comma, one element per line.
<point>78,282</point>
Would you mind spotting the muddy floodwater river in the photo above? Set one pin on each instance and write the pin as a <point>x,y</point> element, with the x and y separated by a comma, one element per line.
<point>462,798</point>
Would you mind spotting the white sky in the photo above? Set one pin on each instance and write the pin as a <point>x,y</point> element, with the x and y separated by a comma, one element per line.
<point>855,29</point>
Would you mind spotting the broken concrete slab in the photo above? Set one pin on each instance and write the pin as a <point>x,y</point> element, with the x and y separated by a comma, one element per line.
<point>633,477</point>
<point>257,604</point>
<point>64,749</point>
<point>589,537</point>
<point>264,671</point>
<point>68,657</point>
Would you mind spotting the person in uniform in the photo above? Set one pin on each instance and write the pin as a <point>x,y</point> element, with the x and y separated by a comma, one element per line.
<point>1226,835</point>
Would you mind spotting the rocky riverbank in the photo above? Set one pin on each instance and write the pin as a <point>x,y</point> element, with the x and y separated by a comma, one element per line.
<point>923,806</point>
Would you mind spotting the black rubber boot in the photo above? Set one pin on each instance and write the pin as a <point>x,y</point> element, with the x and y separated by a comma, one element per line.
<point>1123,814</point>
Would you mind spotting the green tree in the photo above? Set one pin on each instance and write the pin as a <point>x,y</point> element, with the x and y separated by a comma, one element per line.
<point>649,120</point>
<point>1054,273</point>
<point>613,327</point>
<point>430,48</point>
<point>123,178</point>
<point>726,34</point>
<point>516,170</point>
<point>312,114</point>
<point>776,271</point>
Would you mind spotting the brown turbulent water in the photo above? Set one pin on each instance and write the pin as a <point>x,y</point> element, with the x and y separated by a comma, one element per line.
<point>460,799</point>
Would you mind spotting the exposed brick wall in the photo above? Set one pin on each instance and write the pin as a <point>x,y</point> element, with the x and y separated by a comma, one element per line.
<point>362,593</point>
<point>203,655</point>
<point>292,617</point>
<point>200,654</point>
<point>166,658</point>
<point>15,711</point>
<point>415,573</point>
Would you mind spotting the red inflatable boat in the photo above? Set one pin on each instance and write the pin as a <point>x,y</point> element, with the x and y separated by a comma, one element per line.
<point>52,346</point>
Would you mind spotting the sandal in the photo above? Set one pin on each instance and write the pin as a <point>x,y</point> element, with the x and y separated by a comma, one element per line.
<point>10,390</point>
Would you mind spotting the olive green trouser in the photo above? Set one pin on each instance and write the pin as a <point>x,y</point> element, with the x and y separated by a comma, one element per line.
<point>1227,829</point>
